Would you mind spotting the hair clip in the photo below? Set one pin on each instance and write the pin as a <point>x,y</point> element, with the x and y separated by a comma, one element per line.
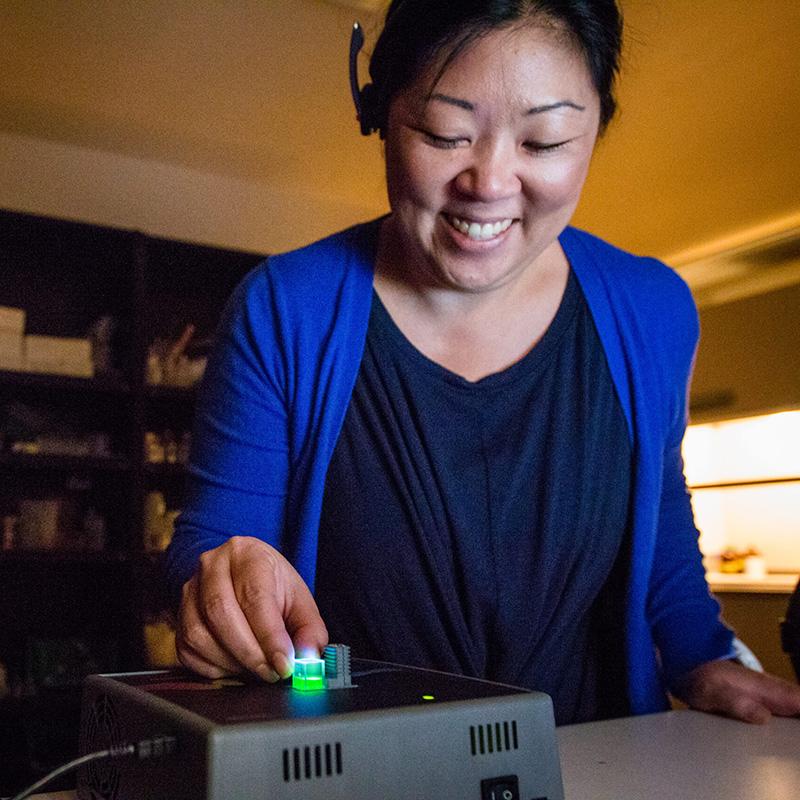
<point>362,98</point>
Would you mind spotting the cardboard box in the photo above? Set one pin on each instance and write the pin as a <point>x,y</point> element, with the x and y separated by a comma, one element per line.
<point>12,351</point>
<point>12,320</point>
<point>58,355</point>
<point>57,349</point>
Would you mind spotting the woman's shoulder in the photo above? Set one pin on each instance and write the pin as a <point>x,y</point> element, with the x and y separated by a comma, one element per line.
<point>323,286</point>
<point>329,257</point>
<point>337,266</point>
<point>638,270</point>
<point>621,273</point>
<point>639,296</point>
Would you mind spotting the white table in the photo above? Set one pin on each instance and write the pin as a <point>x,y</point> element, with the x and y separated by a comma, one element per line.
<point>681,755</point>
<point>678,755</point>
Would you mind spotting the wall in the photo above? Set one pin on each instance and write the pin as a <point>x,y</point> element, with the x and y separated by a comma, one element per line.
<point>748,360</point>
<point>258,91</point>
<point>72,182</point>
<point>225,123</point>
<point>756,618</point>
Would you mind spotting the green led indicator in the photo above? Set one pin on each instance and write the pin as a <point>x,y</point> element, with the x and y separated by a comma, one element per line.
<point>309,674</point>
<point>428,697</point>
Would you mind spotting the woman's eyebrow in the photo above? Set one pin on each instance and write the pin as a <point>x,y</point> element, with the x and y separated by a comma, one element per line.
<point>551,106</point>
<point>467,106</point>
<point>453,101</point>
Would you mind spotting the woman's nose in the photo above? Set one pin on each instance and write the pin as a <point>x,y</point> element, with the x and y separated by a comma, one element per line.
<point>491,175</point>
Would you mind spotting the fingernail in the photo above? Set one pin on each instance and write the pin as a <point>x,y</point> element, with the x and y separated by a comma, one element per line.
<point>269,675</point>
<point>282,664</point>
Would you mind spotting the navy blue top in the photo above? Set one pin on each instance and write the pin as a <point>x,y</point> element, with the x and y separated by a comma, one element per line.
<point>473,527</point>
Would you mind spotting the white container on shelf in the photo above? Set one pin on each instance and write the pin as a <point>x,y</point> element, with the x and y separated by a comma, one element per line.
<point>755,566</point>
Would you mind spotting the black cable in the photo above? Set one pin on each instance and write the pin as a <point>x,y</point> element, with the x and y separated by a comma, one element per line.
<point>146,748</point>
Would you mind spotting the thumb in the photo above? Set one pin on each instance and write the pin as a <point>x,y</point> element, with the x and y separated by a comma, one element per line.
<point>303,621</point>
<point>749,710</point>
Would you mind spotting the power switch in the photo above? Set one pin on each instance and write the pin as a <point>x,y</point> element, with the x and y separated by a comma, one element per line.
<point>505,788</point>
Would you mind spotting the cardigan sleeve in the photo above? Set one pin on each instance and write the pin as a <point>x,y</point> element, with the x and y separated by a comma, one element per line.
<point>684,616</point>
<point>239,464</point>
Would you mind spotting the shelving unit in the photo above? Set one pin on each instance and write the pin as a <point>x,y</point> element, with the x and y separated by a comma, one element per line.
<point>22,461</point>
<point>29,380</point>
<point>76,596</point>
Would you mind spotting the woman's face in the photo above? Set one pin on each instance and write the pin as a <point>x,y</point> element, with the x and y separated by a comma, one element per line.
<point>485,172</point>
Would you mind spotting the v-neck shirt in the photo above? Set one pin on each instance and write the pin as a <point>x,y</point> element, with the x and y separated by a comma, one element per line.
<point>479,527</point>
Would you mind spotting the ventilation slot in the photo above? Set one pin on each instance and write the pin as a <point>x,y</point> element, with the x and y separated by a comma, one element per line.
<point>495,737</point>
<point>312,761</point>
<point>101,731</point>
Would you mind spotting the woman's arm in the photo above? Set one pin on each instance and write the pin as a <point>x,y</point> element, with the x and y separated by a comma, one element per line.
<point>694,644</point>
<point>242,605</point>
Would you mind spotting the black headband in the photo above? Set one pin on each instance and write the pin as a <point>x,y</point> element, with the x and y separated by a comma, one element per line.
<point>364,99</point>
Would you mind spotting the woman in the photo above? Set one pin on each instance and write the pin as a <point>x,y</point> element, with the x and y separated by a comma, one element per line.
<point>459,426</point>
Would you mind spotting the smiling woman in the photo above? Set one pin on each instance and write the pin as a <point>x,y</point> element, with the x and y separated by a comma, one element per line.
<point>453,433</point>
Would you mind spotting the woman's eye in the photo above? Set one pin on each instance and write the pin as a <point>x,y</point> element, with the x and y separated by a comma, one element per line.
<point>544,147</point>
<point>442,142</point>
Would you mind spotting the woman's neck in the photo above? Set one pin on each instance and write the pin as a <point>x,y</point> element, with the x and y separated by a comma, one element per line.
<point>473,334</point>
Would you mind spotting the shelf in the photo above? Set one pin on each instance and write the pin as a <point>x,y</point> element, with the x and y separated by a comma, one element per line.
<point>149,557</point>
<point>23,461</point>
<point>164,392</point>
<point>35,380</point>
<point>166,470</point>
<point>67,276</point>
<point>62,556</point>
<point>32,700</point>
<point>771,583</point>
<point>739,484</point>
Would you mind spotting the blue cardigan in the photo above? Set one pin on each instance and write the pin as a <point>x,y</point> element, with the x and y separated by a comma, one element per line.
<point>280,381</point>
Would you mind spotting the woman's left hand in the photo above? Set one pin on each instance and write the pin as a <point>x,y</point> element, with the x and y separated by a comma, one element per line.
<point>728,688</point>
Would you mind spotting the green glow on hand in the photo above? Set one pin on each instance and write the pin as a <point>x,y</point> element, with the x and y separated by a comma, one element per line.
<point>309,674</point>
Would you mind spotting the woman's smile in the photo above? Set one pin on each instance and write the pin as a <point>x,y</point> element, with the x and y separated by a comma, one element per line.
<point>478,231</point>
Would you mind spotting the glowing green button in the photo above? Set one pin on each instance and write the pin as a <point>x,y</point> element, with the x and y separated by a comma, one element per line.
<point>309,674</point>
<point>428,697</point>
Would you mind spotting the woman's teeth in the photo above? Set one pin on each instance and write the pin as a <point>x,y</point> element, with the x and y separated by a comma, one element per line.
<point>480,232</point>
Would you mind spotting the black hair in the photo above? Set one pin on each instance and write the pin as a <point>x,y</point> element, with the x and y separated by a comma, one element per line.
<point>418,33</point>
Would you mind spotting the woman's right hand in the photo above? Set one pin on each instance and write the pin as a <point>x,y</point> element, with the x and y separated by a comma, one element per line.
<point>246,609</point>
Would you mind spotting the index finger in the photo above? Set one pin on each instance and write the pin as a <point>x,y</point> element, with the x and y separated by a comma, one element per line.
<point>262,593</point>
<point>228,622</point>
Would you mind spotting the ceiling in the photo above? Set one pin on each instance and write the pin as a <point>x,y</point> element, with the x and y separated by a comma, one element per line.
<point>372,6</point>
<point>702,157</point>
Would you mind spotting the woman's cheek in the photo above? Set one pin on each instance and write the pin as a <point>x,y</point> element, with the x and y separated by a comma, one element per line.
<point>559,182</point>
<point>422,179</point>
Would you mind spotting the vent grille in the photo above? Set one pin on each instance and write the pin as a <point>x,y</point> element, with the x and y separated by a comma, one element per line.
<point>494,737</point>
<point>312,761</point>
<point>101,731</point>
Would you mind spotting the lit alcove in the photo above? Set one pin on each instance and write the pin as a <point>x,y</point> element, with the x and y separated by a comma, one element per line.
<point>744,475</point>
